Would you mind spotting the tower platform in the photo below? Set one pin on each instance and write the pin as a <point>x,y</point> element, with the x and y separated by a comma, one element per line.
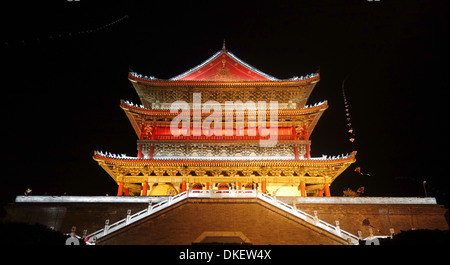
<point>197,218</point>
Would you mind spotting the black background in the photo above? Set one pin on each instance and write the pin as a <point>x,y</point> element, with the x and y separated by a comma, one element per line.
<point>65,66</point>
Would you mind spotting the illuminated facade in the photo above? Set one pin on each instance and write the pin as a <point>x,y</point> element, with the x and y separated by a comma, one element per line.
<point>224,185</point>
<point>171,161</point>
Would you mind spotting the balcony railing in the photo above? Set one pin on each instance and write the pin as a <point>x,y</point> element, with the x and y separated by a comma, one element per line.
<point>216,138</point>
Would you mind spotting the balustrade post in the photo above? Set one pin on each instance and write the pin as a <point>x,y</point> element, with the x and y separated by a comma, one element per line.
<point>73,230</point>
<point>360,235</point>
<point>128,216</point>
<point>316,218</point>
<point>149,208</point>
<point>338,228</point>
<point>106,229</point>
<point>392,232</point>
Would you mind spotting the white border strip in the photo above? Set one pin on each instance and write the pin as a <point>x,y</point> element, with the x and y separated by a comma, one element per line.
<point>286,199</point>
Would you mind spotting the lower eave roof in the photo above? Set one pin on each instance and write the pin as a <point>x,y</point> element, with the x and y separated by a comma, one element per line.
<point>295,81</point>
<point>284,112</point>
<point>134,161</point>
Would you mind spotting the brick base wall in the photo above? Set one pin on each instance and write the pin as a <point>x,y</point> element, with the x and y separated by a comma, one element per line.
<point>253,219</point>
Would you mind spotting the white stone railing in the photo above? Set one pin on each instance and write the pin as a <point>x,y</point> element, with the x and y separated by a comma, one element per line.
<point>108,229</point>
<point>352,239</point>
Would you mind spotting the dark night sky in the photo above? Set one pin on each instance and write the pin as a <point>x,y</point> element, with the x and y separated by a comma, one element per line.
<point>60,96</point>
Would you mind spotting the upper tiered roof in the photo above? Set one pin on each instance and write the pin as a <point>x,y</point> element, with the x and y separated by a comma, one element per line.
<point>227,78</point>
<point>224,66</point>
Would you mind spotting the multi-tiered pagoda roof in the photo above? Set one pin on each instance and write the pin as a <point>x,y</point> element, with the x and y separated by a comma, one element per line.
<point>176,160</point>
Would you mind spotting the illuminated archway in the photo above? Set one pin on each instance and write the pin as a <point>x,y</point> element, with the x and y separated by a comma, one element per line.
<point>223,186</point>
<point>164,189</point>
<point>249,186</point>
<point>197,186</point>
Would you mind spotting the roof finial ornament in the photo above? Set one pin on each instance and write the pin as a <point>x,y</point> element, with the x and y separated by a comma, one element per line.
<point>223,46</point>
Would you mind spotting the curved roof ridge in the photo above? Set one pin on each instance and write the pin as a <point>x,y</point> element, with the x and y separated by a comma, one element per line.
<point>197,67</point>
<point>251,67</point>
<point>212,69</point>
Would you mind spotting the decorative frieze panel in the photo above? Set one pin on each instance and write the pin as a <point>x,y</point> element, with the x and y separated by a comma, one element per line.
<point>288,98</point>
<point>214,150</point>
<point>310,175</point>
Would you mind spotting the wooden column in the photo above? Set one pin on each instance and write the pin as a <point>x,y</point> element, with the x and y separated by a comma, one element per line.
<point>308,154</point>
<point>302,189</point>
<point>327,189</point>
<point>183,186</point>
<point>320,192</point>
<point>140,154</point>
<point>153,131</point>
<point>120,189</point>
<point>151,152</point>
<point>305,137</point>
<point>127,192</point>
<point>144,188</point>
<point>294,133</point>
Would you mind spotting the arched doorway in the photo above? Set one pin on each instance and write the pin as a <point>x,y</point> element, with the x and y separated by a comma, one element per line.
<point>164,189</point>
<point>223,186</point>
<point>197,186</point>
<point>251,186</point>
